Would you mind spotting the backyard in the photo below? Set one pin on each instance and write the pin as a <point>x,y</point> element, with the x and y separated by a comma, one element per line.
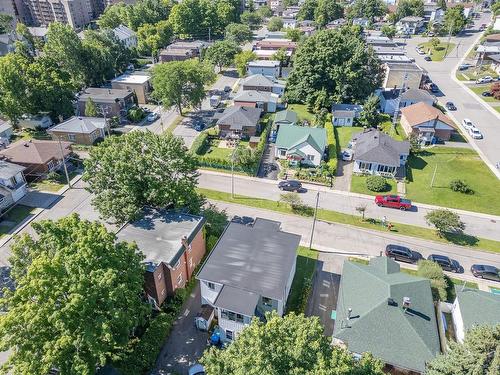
<point>13,217</point>
<point>438,52</point>
<point>218,149</point>
<point>53,185</point>
<point>302,112</point>
<point>451,164</point>
<point>302,285</point>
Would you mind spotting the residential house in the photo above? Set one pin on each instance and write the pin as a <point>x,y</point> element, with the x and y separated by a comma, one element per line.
<point>344,114</point>
<point>6,130</point>
<point>182,50</point>
<point>486,50</point>
<point>363,22</point>
<point>12,184</point>
<point>125,35</point>
<point>301,144</point>
<point>259,3</point>
<point>269,54</point>
<point>426,122</point>
<point>39,157</point>
<point>492,38</point>
<point>410,25</point>
<point>259,82</point>
<point>7,43</point>
<point>173,244</point>
<point>268,68</point>
<point>376,153</point>
<point>80,130</point>
<point>380,41</point>
<point>275,44</point>
<point>495,63</point>
<point>289,22</point>
<point>138,82</point>
<point>389,99</point>
<point>473,307</point>
<point>399,74</point>
<point>307,30</point>
<point>388,313</point>
<point>276,35</point>
<point>39,32</point>
<point>433,13</point>
<point>335,24</point>
<point>34,122</point>
<point>109,102</point>
<point>248,273</point>
<point>267,101</point>
<point>285,117</point>
<point>239,122</point>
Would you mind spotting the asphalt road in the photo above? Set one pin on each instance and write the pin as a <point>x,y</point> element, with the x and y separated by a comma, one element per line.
<point>480,225</point>
<point>467,103</point>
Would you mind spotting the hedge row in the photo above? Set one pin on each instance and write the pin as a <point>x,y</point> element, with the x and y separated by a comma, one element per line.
<point>332,148</point>
<point>199,143</point>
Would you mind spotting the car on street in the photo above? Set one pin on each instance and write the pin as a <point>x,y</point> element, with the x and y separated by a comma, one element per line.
<point>486,79</point>
<point>484,271</point>
<point>419,51</point>
<point>290,185</point>
<point>467,124</point>
<point>444,262</point>
<point>450,106</point>
<point>486,93</point>
<point>227,89</point>
<point>427,58</point>
<point>196,369</point>
<point>402,253</point>
<point>153,116</point>
<point>475,133</point>
<point>464,66</point>
<point>199,125</point>
<point>433,87</point>
<point>393,201</point>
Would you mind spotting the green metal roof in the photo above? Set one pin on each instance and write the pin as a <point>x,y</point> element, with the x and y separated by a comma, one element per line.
<point>478,307</point>
<point>378,323</point>
<point>290,136</point>
<point>286,116</point>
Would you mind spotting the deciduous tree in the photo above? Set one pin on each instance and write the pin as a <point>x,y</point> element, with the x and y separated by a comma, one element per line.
<point>389,31</point>
<point>326,11</point>
<point>6,23</point>
<point>221,53</point>
<point>140,169</point>
<point>454,20</point>
<point>370,9</point>
<point>275,24</point>
<point>431,270</point>
<point>295,35</point>
<point>370,116</point>
<point>307,10</point>
<point>90,108</point>
<point>445,221</point>
<point>152,37</point>
<point>238,33</point>
<point>409,8</point>
<point>13,86</point>
<point>252,19</point>
<point>242,59</point>
<point>264,11</point>
<point>77,298</point>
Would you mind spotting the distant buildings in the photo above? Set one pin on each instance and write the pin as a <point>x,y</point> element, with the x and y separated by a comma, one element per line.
<point>76,13</point>
<point>182,50</point>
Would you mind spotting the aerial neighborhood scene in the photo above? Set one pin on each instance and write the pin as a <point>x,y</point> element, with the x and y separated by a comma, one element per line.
<point>250,187</point>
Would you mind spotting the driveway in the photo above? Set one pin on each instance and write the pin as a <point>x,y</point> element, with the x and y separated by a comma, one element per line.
<point>268,167</point>
<point>343,175</point>
<point>185,344</point>
<point>186,130</point>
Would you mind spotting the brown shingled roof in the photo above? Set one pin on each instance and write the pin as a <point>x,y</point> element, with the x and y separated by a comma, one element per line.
<point>34,151</point>
<point>421,112</point>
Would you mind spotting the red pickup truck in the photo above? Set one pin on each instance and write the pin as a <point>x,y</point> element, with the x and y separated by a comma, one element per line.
<point>393,201</point>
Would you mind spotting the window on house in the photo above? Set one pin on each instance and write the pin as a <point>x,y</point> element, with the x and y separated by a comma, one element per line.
<point>51,165</point>
<point>363,165</point>
<point>229,315</point>
<point>211,286</point>
<point>163,292</point>
<point>267,301</point>
<point>229,334</point>
<point>71,137</point>
<point>179,279</point>
<point>310,157</point>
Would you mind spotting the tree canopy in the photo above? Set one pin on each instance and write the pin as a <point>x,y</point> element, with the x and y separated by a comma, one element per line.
<point>431,270</point>
<point>275,24</point>
<point>327,11</point>
<point>140,169</point>
<point>152,37</point>
<point>333,66</point>
<point>181,83</point>
<point>77,298</point>
<point>478,354</point>
<point>370,9</point>
<point>239,33</point>
<point>445,221</point>
<point>242,59</point>
<point>409,8</point>
<point>252,19</point>
<point>293,345</point>
<point>221,53</point>
<point>454,20</point>
<point>307,10</point>
<point>370,116</point>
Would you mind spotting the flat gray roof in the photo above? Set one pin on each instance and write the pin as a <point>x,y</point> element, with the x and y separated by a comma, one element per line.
<point>257,258</point>
<point>237,300</point>
<point>158,234</point>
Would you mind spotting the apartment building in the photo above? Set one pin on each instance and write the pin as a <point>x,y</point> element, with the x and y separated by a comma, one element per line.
<point>76,13</point>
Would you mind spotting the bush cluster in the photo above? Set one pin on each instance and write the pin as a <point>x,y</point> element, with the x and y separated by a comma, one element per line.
<point>199,143</point>
<point>376,183</point>
<point>461,186</point>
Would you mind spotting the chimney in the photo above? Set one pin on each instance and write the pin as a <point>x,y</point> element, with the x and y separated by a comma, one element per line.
<point>406,303</point>
<point>185,243</point>
<point>349,313</point>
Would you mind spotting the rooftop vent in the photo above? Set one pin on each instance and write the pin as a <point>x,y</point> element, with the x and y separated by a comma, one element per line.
<point>391,302</point>
<point>406,303</point>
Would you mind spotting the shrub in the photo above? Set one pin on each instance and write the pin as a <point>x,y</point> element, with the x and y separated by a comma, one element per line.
<point>199,143</point>
<point>53,176</point>
<point>431,270</point>
<point>461,186</point>
<point>376,183</point>
<point>445,221</point>
<point>495,90</point>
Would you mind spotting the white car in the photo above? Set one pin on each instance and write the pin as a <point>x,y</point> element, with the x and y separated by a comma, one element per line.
<point>467,124</point>
<point>486,79</point>
<point>153,116</point>
<point>347,155</point>
<point>475,133</point>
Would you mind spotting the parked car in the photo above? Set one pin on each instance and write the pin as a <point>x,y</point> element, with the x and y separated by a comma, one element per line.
<point>467,124</point>
<point>402,253</point>
<point>486,93</point>
<point>433,87</point>
<point>199,126</point>
<point>485,272</point>
<point>347,155</point>
<point>196,369</point>
<point>444,262</point>
<point>419,51</point>
<point>475,133</point>
<point>464,66</point>
<point>393,201</point>
<point>215,101</point>
<point>290,185</point>
<point>450,106</point>
<point>427,58</point>
<point>486,79</point>
<point>227,89</point>
<point>153,116</point>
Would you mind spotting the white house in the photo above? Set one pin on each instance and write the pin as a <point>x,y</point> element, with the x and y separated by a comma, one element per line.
<point>301,144</point>
<point>265,100</point>
<point>344,114</point>
<point>260,82</point>
<point>376,153</point>
<point>410,25</point>
<point>289,22</point>
<point>269,68</point>
<point>248,273</point>
<point>389,99</point>
<point>125,35</point>
<point>12,183</point>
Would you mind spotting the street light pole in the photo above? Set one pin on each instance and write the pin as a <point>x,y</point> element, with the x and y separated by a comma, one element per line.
<point>314,219</point>
<point>64,163</point>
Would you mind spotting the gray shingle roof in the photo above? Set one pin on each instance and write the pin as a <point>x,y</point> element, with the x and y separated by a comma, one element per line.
<point>340,109</point>
<point>80,125</point>
<point>239,117</point>
<point>104,95</point>
<point>237,300</point>
<point>258,80</point>
<point>9,170</point>
<point>257,258</point>
<point>417,95</point>
<point>407,339</point>
<point>470,299</point>
<point>286,116</point>
<point>374,146</point>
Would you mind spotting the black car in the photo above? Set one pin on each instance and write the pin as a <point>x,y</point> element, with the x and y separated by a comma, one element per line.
<point>485,272</point>
<point>427,58</point>
<point>486,93</point>
<point>433,87</point>
<point>290,185</point>
<point>445,263</point>
<point>450,106</point>
<point>402,254</point>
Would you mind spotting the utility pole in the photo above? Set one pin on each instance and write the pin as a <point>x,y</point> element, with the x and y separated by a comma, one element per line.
<point>64,162</point>
<point>449,38</point>
<point>233,156</point>
<point>209,34</point>
<point>314,219</point>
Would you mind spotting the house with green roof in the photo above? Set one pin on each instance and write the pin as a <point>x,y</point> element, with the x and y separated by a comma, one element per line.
<point>387,313</point>
<point>473,307</point>
<point>285,117</point>
<point>301,144</point>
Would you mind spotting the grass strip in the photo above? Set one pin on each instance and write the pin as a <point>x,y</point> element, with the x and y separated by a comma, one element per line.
<point>302,281</point>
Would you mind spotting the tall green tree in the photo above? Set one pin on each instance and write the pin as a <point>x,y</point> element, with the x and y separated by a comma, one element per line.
<point>252,19</point>
<point>293,344</point>
<point>6,23</point>
<point>151,38</point>
<point>114,16</point>
<point>275,24</point>
<point>327,11</point>
<point>90,108</point>
<point>431,270</point>
<point>454,20</point>
<point>370,116</point>
<point>13,86</point>
<point>478,354</point>
<point>370,9</point>
<point>148,12</point>
<point>333,66</point>
<point>221,53</point>
<point>389,31</point>
<point>265,11</point>
<point>238,33</point>
<point>77,298</point>
<point>242,59</point>
<point>445,221</point>
<point>25,44</point>
<point>140,169</point>
<point>295,35</point>
<point>409,8</point>
<point>307,10</point>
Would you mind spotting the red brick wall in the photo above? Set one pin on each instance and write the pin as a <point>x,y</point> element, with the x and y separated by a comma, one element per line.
<point>443,134</point>
<point>155,284</point>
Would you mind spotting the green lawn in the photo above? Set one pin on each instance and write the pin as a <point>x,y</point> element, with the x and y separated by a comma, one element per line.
<point>301,286</point>
<point>358,185</point>
<point>343,135</point>
<point>215,152</point>
<point>397,133</point>
<point>452,163</point>
<point>474,243</point>
<point>302,112</point>
<point>53,186</point>
<point>437,54</point>
<point>12,218</point>
<point>478,90</point>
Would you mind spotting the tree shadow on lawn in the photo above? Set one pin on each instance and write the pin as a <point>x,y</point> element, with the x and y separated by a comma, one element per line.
<point>461,239</point>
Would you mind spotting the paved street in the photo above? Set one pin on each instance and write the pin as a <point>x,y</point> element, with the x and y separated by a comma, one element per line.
<point>467,103</point>
<point>480,225</point>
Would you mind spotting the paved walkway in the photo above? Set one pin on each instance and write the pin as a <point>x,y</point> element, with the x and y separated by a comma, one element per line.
<point>343,175</point>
